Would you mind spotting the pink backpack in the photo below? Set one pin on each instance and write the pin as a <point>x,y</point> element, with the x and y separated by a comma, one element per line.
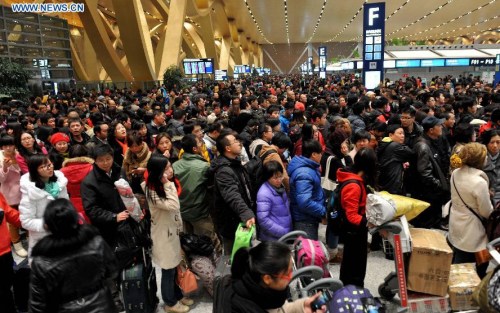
<point>311,252</point>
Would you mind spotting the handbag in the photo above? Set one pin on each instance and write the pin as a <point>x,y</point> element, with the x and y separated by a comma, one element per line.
<point>198,245</point>
<point>186,279</point>
<point>242,238</point>
<point>327,184</point>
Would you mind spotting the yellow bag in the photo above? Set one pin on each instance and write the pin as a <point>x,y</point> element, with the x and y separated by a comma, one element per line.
<point>407,206</point>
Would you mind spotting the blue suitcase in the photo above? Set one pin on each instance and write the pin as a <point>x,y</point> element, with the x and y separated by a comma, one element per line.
<point>138,287</point>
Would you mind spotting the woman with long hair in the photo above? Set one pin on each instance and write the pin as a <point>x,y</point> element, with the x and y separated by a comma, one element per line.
<point>40,186</point>
<point>27,146</point>
<point>362,173</point>
<point>117,139</point>
<point>259,281</point>
<point>491,139</point>
<point>57,285</point>
<point>164,146</point>
<point>136,160</point>
<point>166,225</point>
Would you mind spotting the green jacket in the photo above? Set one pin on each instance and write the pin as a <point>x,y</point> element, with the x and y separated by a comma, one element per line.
<point>192,172</point>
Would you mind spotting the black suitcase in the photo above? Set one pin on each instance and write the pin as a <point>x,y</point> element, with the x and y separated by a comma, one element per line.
<point>138,287</point>
<point>21,285</point>
<point>222,279</point>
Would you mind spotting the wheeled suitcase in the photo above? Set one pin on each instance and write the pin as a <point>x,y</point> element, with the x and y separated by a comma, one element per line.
<point>138,287</point>
<point>222,279</point>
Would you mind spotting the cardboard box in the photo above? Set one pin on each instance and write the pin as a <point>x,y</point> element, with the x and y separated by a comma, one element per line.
<point>430,262</point>
<point>422,303</point>
<point>463,281</point>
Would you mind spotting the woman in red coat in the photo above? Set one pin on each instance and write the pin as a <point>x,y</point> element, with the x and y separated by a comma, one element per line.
<point>75,169</point>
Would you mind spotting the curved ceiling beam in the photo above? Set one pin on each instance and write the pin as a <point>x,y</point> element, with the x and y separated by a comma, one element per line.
<point>77,63</point>
<point>95,29</point>
<point>198,8</point>
<point>191,30</point>
<point>208,37</point>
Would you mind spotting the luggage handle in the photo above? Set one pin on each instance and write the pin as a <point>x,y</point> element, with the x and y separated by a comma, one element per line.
<point>312,271</point>
<point>330,284</point>
<point>392,227</point>
<point>291,236</point>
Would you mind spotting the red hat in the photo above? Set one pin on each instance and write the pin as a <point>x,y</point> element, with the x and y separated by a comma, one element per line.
<point>300,106</point>
<point>58,137</point>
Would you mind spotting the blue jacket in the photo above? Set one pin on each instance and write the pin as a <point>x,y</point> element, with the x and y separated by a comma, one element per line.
<point>273,213</point>
<point>307,200</point>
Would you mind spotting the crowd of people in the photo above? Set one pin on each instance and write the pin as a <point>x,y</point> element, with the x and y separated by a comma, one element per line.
<point>191,154</point>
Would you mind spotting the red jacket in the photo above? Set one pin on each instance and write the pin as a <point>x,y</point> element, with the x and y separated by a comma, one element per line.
<point>11,216</point>
<point>75,170</point>
<point>350,195</point>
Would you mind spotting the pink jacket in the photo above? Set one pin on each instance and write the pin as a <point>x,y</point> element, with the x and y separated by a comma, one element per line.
<point>9,182</point>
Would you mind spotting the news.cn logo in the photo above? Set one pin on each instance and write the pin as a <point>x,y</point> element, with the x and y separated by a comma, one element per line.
<point>48,7</point>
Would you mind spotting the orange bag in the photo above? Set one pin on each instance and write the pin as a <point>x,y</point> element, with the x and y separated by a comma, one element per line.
<point>186,279</point>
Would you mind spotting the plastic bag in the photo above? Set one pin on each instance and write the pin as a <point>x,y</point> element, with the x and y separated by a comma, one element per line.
<point>242,238</point>
<point>379,210</point>
<point>406,206</point>
<point>128,198</point>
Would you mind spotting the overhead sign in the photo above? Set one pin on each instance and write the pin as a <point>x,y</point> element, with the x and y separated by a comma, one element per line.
<point>373,44</point>
<point>309,65</point>
<point>482,61</point>
<point>322,61</point>
<point>198,66</point>
<point>497,70</point>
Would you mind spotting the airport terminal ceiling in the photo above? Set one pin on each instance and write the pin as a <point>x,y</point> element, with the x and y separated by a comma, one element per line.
<point>234,31</point>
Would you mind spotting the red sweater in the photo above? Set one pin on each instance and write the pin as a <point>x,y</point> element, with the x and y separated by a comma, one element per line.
<point>350,195</point>
<point>11,216</point>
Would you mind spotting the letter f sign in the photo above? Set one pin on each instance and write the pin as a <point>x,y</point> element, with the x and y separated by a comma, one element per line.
<point>372,15</point>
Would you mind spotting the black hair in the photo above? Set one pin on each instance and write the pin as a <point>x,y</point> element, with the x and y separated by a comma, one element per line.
<point>102,149</point>
<point>270,168</point>
<point>156,167</point>
<point>6,141</point>
<point>74,120</point>
<point>217,126</point>
<point>391,129</point>
<point>358,108</point>
<point>311,146</point>
<point>464,132</point>
<point>133,138</point>
<point>281,140</point>
<point>307,132</point>
<point>487,135</point>
<point>61,218</point>
<point>269,257</point>
<point>263,127</point>
<point>366,161</point>
<point>97,127</point>
<point>22,150</point>
<point>78,151</point>
<point>138,124</point>
<point>222,141</point>
<point>409,110</point>
<point>317,113</point>
<point>189,126</point>
<point>360,135</point>
<point>188,143</point>
<point>34,162</point>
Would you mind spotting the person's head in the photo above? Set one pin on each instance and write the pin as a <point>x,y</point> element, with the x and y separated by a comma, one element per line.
<point>194,128</point>
<point>214,130</point>
<point>312,149</point>
<point>7,145</point>
<point>140,127</point>
<point>318,117</point>
<point>469,105</point>
<point>41,170</point>
<point>118,131</point>
<point>408,116</point>
<point>273,173</point>
<point>163,142</point>
<point>159,172</point>
<point>27,142</point>
<point>449,120</point>
<point>396,133</point>
<point>365,162</point>
<point>103,156</point>
<point>282,141</point>
<point>228,145</point>
<point>358,108</point>
<point>75,126</point>
<point>77,151</point>
<point>191,144</point>
<point>60,142</point>
<point>464,133</point>
<point>361,139</point>
<point>159,118</point>
<point>491,138</point>
<point>473,154</point>
<point>101,130</point>
<point>432,126</point>
<point>61,218</point>
<point>268,264</point>
<point>273,111</point>
<point>134,142</point>
<point>265,132</point>
<point>336,140</point>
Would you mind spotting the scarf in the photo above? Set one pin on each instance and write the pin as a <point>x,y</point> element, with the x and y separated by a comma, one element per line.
<point>123,145</point>
<point>265,298</point>
<point>53,189</point>
<point>280,190</point>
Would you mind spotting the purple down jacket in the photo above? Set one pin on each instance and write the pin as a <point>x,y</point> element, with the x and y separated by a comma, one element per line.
<point>273,213</point>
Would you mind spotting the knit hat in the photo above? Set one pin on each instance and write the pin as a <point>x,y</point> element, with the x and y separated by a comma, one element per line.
<point>59,137</point>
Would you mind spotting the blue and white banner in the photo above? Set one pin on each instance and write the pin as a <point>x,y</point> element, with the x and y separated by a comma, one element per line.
<point>373,44</point>
<point>322,61</point>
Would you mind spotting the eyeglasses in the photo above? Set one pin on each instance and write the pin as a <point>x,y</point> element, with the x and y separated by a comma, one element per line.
<point>287,276</point>
<point>46,167</point>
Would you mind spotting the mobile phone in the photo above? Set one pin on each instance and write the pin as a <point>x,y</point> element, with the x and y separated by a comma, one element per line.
<point>323,299</point>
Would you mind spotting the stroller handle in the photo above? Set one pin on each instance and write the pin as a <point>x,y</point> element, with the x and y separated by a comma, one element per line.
<point>312,271</point>
<point>291,236</point>
<point>330,284</point>
<point>491,246</point>
<point>392,227</point>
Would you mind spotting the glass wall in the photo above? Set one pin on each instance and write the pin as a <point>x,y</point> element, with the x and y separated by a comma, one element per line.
<point>41,43</point>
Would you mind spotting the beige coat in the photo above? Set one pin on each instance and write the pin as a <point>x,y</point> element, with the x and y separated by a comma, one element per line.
<point>296,306</point>
<point>166,224</point>
<point>466,231</point>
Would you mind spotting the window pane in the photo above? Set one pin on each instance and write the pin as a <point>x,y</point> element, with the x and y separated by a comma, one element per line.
<point>60,73</point>
<point>60,54</point>
<point>19,26</point>
<point>3,49</point>
<point>3,37</point>
<point>55,43</point>
<point>23,39</point>
<point>62,64</point>
<point>25,51</point>
<point>51,21</point>
<point>30,17</point>
<point>54,32</point>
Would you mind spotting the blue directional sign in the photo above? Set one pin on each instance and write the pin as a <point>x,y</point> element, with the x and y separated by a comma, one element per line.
<point>373,44</point>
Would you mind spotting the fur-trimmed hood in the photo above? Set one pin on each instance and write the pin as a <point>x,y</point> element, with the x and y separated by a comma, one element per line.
<point>78,160</point>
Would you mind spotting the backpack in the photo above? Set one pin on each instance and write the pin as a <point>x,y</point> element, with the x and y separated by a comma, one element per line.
<point>311,252</point>
<point>354,300</point>
<point>336,215</point>
<point>255,168</point>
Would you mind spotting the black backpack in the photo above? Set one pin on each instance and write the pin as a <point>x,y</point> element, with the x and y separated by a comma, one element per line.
<point>336,215</point>
<point>254,169</point>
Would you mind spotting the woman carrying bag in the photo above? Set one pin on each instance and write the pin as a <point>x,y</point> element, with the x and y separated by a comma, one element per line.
<point>470,199</point>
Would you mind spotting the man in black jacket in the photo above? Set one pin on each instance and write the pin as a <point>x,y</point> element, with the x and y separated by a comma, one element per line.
<point>232,190</point>
<point>430,183</point>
